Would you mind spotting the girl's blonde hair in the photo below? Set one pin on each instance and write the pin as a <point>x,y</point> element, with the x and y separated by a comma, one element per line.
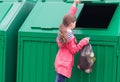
<point>67,20</point>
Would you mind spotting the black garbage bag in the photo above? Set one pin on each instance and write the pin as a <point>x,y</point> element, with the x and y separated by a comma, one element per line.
<point>86,59</point>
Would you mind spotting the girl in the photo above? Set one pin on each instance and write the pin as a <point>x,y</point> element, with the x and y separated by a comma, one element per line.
<point>68,46</point>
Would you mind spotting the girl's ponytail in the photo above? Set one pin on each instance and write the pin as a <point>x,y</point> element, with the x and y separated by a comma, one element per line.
<point>67,20</point>
<point>62,34</point>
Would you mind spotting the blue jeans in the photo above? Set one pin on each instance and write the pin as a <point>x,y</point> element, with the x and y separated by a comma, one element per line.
<point>60,78</point>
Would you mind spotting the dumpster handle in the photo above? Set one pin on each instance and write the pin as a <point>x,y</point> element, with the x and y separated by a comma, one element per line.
<point>43,28</point>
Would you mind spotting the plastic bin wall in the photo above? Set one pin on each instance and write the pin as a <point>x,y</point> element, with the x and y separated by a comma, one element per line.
<point>12,16</point>
<point>37,46</point>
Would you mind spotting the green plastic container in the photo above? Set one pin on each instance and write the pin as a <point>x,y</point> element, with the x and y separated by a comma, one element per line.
<point>12,15</point>
<point>37,46</point>
<point>103,27</point>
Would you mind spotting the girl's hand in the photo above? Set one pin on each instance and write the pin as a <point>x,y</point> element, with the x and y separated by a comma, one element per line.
<point>76,2</point>
<point>87,39</point>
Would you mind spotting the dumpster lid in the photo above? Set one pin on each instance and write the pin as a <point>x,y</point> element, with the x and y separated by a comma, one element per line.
<point>4,8</point>
<point>48,15</point>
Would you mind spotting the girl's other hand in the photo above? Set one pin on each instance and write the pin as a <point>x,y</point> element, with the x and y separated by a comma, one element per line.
<point>87,39</point>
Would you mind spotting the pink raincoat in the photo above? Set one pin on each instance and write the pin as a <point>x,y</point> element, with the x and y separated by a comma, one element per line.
<point>65,57</point>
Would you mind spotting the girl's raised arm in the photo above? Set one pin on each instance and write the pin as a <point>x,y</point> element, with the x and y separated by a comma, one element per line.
<point>73,9</point>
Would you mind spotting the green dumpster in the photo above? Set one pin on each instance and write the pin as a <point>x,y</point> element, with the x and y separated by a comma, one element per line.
<point>37,46</point>
<point>100,21</point>
<point>12,15</point>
